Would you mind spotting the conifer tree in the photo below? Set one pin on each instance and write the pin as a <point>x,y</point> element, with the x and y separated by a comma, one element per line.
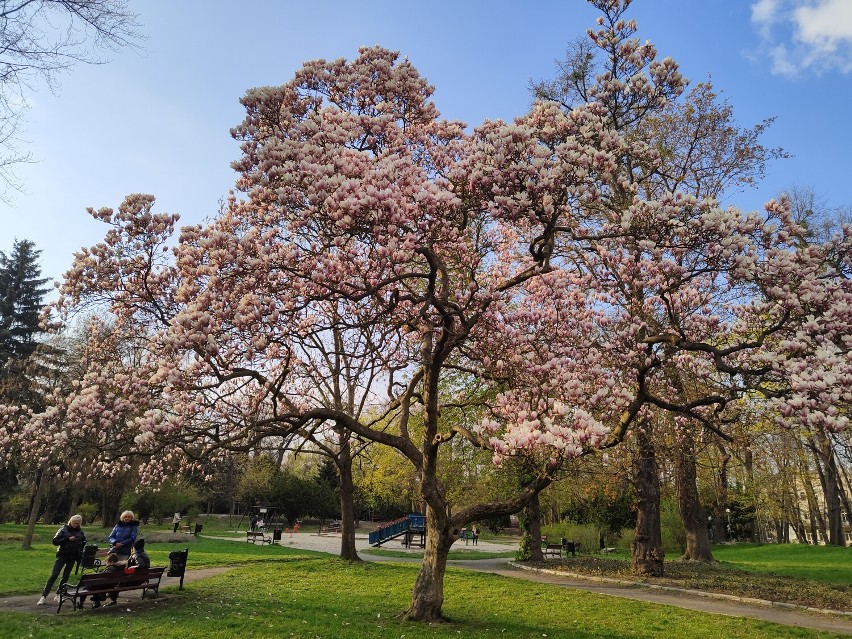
<point>21,298</point>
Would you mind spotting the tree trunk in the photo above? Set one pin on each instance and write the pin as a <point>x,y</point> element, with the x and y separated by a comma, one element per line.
<point>427,598</point>
<point>75,501</point>
<point>843,484</point>
<point>688,503</point>
<point>647,545</point>
<point>720,532</point>
<point>41,487</point>
<point>816,519</point>
<point>830,479</point>
<point>801,531</point>
<point>347,503</point>
<point>110,510</point>
<point>750,483</point>
<point>47,516</point>
<point>532,524</point>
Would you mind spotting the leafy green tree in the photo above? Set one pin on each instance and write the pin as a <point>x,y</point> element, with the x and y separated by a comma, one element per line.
<point>256,485</point>
<point>162,502</point>
<point>610,511</point>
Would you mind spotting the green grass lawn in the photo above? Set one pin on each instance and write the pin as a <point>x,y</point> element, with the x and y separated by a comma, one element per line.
<point>815,576</point>
<point>25,571</point>
<point>301,596</point>
<point>282,592</point>
<point>828,564</point>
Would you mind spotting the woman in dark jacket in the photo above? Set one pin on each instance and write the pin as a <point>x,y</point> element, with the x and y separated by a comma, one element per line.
<point>123,534</point>
<point>69,540</point>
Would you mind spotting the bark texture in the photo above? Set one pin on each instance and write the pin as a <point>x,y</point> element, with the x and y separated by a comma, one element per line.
<point>647,545</point>
<point>689,505</point>
<point>347,503</point>
<point>533,527</point>
<point>427,598</point>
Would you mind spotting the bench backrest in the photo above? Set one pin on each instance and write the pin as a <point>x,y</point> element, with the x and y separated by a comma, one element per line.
<point>107,579</point>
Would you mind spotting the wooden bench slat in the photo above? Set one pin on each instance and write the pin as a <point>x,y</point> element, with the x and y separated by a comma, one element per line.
<point>108,582</point>
<point>256,535</point>
<point>553,550</point>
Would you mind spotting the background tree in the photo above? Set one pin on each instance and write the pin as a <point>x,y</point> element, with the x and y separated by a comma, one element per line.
<point>22,294</point>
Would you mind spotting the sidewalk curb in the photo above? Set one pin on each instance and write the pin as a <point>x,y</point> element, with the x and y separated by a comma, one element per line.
<point>684,591</point>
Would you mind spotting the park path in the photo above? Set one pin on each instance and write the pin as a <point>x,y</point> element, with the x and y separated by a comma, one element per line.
<point>27,603</point>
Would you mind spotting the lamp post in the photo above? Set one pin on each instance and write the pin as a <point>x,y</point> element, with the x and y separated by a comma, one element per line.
<point>728,515</point>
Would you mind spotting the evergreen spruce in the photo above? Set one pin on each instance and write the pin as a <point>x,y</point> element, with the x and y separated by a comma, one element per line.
<point>21,299</point>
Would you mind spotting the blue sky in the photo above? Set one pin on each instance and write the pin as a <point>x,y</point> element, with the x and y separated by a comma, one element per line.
<point>157,121</point>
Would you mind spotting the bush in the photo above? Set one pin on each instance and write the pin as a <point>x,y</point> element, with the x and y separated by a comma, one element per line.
<point>162,502</point>
<point>16,508</point>
<point>87,511</point>
<point>586,534</point>
<point>674,536</point>
<point>523,553</point>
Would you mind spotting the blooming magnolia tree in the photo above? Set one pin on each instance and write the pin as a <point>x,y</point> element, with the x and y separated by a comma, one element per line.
<point>521,261</point>
<point>88,426</point>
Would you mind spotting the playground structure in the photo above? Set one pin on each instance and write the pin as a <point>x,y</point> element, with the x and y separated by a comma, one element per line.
<point>411,528</point>
<point>266,514</point>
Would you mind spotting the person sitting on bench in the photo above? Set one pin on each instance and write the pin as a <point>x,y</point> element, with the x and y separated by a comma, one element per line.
<point>112,565</point>
<point>140,560</point>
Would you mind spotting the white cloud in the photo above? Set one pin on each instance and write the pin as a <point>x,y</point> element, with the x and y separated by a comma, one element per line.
<point>798,36</point>
<point>764,11</point>
<point>825,25</point>
<point>781,64</point>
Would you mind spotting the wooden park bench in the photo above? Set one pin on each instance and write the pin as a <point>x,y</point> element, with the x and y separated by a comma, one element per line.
<point>552,550</point>
<point>104,583</point>
<point>255,536</point>
<point>331,527</point>
<point>190,530</point>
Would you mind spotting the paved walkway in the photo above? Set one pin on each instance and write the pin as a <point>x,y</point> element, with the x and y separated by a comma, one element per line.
<point>27,603</point>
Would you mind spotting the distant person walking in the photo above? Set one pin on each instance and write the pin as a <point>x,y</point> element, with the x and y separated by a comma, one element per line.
<point>123,534</point>
<point>176,521</point>
<point>69,541</point>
